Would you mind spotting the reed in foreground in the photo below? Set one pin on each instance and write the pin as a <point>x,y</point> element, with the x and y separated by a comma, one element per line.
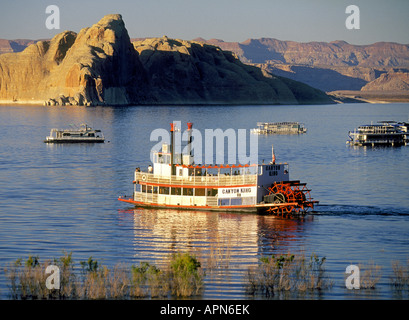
<point>182,277</point>
<point>400,275</point>
<point>186,276</point>
<point>370,276</point>
<point>287,273</point>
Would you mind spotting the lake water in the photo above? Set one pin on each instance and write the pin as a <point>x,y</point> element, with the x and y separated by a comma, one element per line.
<point>56,198</point>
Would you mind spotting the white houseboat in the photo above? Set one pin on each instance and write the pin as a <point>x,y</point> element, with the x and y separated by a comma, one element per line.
<point>174,181</point>
<point>387,133</point>
<point>279,128</point>
<point>82,134</point>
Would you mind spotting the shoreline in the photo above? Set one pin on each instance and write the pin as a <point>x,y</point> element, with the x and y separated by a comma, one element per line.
<point>370,96</point>
<point>22,102</point>
<point>41,103</point>
<point>339,97</point>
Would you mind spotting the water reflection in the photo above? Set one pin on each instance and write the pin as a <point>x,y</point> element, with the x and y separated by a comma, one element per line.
<point>159,233</point>
<point>173,230</point>
<point>281,236</point>
<point>227,244</point>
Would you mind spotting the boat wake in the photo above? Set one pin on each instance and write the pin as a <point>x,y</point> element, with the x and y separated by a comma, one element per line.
<point>337,209</point>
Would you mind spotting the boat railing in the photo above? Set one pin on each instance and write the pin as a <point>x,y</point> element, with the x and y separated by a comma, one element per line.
<point>378,129</point>
<point>149,197</point>
<point>211,201</point>
<point>146,197</point>
<point>209,180</point>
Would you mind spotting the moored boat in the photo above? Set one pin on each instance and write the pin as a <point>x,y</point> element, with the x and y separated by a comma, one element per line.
<point>279,128</point>
<point>387,133</point>
<point>84,133</point>
<point>174,181</point>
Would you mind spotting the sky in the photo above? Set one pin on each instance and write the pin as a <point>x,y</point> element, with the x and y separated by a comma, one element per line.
<point>228,20</point>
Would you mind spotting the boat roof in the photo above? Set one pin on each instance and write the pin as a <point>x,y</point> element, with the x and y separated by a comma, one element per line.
<point>73,127</point>
<point>283,122</point>
<point>220,166</point>
<point>387,121</point>
<point>377,125</point>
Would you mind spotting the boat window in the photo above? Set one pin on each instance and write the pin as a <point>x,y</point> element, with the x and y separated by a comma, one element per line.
<point>176,191</point>
<point>188,191</point>
<point>212,192</point>
<point>66,134</point>
<point>161,158</point>
<point>163,190</point>
<point>200,192</point>
<point>224,202</point>
<point>236,201</point>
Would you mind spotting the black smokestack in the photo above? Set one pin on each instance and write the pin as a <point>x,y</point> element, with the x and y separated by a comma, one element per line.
<point>172,135</point>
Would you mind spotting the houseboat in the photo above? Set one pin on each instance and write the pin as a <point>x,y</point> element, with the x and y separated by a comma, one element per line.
<point>84,133</point>
<point>279,128</point>
<point>386,133</point>
<point>175,181</point>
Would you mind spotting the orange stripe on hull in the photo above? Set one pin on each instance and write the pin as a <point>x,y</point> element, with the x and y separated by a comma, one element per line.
<point>252,208</point>
<point>217,208</point>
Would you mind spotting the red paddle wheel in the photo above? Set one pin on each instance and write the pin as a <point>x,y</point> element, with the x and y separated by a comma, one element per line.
<point>290,197</point>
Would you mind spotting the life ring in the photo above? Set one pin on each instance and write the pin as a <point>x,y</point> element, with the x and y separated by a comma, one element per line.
<point>144,177</point>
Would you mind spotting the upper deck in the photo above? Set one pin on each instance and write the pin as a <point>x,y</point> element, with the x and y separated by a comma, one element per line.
<point>197,181</point>
<point>179,172</point>
<point>378,129</point>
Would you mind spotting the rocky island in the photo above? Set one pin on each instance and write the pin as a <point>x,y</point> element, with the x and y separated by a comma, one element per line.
<point>101,66</point>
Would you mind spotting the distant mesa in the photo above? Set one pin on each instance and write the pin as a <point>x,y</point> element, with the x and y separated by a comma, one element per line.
<point>8,46</point>
<point>394,80</point>
<point>332,66</point>
<point>101,66</point>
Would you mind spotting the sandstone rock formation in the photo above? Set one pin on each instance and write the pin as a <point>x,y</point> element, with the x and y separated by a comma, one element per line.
<point>335,53</point>
<point>395,81</point>
<point>337,65</point>
<point>100,66</point>
<point>189,72</point>
<point>94,66</point>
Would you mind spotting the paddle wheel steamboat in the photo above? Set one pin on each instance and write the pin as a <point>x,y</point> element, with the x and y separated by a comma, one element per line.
<point>174,181</point>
